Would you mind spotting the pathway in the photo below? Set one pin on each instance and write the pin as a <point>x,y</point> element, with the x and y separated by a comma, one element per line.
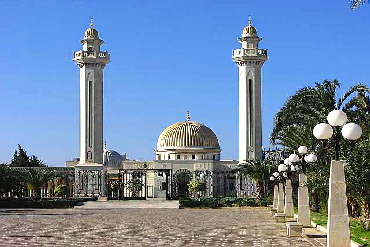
<point>143,227</point>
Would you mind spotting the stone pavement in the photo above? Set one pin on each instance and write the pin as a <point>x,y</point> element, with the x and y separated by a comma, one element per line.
<point>143,227</point>
<point>148,203</point>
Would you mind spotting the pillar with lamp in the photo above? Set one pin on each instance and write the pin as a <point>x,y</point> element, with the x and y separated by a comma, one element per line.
<point>275,181</point>
<point>338,219</point>
<point>300,163</point>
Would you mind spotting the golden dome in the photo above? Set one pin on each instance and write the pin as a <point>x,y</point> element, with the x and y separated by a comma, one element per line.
<point>91,33</point>
<point>249,30</point>
<point>188,134</point>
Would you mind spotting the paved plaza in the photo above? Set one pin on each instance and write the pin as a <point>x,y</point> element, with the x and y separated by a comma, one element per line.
<point>143,227</point>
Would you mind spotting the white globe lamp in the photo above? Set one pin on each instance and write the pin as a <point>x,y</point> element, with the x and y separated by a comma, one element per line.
<point>282,168</point>
<point>287,161</point>
<point>311,158</point>
<point>272,178</point>
<point>323,131</point>
<point>351,131</point>
<point>293,158</point>
<point>302,150</point>
<point>276,174</point>
<point>337,118</point>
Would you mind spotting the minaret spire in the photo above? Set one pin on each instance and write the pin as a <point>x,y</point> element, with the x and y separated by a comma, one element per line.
<point>91,22</point>
<point>250,60</point>
<point>91,61</point>
<point>187,116</point>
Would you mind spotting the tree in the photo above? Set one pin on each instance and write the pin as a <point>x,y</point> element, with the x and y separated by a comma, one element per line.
<point>196,186</point>
<point>257,171</point>
<point>354,4</point>
<point>301,112</point>
<point>309,106</point>
<point>33,161</point>
<point>11,181</point>
<point>36,178</point>
<point>358,176</point>
<point>357,154</point>
<point>21,159</point>
<point>61,190</point>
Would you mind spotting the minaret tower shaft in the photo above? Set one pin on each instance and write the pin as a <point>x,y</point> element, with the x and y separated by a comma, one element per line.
<point>91,62</point>
<point>250,60</point>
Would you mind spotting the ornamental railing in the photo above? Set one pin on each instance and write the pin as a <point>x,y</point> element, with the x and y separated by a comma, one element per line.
<point>250,52</point>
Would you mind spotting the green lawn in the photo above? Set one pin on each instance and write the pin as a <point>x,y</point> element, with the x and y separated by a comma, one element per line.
<point>358,233</point>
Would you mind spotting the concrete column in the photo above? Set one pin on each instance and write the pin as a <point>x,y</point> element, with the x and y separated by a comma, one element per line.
<point>304,217</point>
<point>288,209</point>
<point>280,206</point>
<point>276,193</point>
<point>338,220</point>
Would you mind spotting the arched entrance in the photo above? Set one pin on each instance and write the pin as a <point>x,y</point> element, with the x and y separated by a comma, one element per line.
<point>181,178</point>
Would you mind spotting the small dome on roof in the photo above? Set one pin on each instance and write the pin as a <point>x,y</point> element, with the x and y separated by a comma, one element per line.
<point>91,32</point>
<point>112,158</point>
<point>249,31</point>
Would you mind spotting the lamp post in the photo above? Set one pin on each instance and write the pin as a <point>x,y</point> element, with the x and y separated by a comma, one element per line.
<point>288,205</point>
<point>279,200</point>
<point>338,220</point>
<point>274,179</point>
<point>301,162</point>
<point>276,190</point>
<point>280,207</point>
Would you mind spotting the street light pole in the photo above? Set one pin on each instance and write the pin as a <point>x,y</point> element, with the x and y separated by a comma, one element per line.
<point>338,219</point>
<point>302,162</point>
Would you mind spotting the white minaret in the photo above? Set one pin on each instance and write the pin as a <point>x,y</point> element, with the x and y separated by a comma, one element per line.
<point>91,62</point>
<point>250,60</point>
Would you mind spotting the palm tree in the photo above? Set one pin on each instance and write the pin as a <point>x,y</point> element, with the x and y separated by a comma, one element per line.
<point>354,4</point>
<point>257,171</point>
<point>36,178</point>
<point>309,106</point>
<point>301,112</point>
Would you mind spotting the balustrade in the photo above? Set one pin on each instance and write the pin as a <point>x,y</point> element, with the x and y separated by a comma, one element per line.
<point>81,54</point>
<point>249,52</point>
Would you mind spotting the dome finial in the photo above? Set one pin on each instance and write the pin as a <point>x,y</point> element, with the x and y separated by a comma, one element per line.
<point>249,21</point>
<point>105,144</point>
<point>91,22</point>
<point>187,116</point>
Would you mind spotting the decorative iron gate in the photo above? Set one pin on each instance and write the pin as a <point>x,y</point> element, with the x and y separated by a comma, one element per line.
<point>132,184</point>
<point>89,183</point>
<point>181,178</point>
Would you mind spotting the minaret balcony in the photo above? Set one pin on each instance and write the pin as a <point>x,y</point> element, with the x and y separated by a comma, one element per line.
<point>252,53</point>
<point>91,57</point>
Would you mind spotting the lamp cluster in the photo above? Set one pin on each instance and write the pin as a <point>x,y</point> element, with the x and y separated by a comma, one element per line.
<point>294,163</point>
<point>336,118</point>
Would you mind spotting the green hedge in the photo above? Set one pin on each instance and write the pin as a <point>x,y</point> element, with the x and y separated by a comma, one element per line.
<point>217,202</point>
<point>43,203</point>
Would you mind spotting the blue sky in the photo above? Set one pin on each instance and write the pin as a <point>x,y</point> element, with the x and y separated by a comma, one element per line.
<point>167,57</point>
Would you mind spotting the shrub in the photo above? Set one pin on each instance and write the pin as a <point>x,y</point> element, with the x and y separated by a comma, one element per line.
<point>266,200</point>
<point>43,203</point>
<point>196,186</point>
<point>215,202</point>
<point>61,190</point>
